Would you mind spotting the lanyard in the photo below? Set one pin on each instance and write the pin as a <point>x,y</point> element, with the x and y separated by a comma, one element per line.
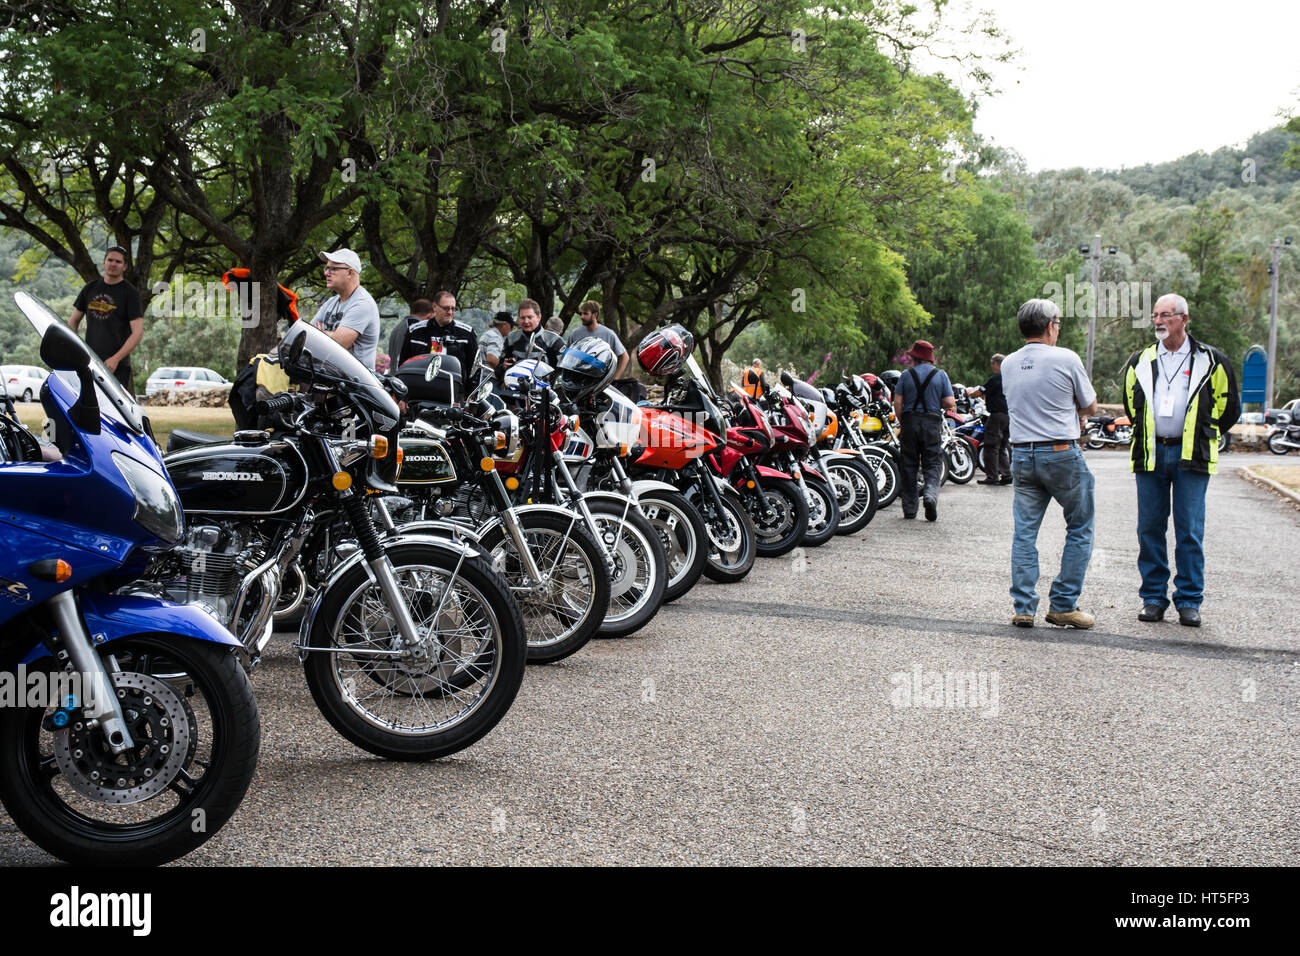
<point>1174,374</point>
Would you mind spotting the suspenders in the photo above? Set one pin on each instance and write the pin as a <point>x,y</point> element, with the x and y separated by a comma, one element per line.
<point>918,402</point>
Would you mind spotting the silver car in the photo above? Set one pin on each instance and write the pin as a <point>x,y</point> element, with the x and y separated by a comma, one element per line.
<point>172,377</point>
<point>23,382</point>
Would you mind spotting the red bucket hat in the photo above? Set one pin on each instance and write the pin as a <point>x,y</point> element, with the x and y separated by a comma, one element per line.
<point>922,351</point>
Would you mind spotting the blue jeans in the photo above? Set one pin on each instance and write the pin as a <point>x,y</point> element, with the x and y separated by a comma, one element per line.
<point>1039,476</point>
<point>1186,490</point>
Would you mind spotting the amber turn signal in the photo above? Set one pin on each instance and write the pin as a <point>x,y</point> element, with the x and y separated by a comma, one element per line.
<point>378,446</point>
<point>487,464</point>
<point>342,480</point>
<point>512,483</point>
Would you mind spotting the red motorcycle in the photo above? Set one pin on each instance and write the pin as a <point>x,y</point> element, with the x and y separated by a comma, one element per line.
<point>775,502</point>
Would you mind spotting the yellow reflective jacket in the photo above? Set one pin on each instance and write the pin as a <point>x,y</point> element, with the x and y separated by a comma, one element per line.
<point>1213,406</point>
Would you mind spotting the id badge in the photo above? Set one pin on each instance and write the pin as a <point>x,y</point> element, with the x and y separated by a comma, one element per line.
<point>1166,407</point>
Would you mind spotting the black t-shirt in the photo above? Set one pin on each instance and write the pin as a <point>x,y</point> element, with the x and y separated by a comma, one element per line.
<point>995,400</point>
<point>109,310</point>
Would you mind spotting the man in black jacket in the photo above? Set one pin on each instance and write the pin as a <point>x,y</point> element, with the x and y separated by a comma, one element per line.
<point>454,338</point>
<point>421,311</point>
<point>530,339</point>
<point>996,450</point>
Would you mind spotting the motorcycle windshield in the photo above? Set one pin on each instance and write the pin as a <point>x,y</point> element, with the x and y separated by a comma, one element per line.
<point>307,353</point>
<point>114,400</point>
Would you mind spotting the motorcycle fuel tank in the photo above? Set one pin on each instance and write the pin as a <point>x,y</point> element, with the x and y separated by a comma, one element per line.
<point>424,461</point>
<point>238,479</point>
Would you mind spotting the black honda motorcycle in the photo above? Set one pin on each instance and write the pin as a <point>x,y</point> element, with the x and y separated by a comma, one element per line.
<point>412,645</point>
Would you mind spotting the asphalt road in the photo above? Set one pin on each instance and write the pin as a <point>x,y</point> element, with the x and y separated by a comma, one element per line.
<point>775,721</point>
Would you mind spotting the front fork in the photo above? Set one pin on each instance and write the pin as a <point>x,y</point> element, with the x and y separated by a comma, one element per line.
<point>102,705</point>
<point>575,498</point>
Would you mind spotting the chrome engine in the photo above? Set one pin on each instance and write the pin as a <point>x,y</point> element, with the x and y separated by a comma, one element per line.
<point>211,563</point>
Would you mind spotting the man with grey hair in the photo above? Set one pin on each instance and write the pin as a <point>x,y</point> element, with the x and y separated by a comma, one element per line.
<point>1047,393</point>
<point>1181,396</point>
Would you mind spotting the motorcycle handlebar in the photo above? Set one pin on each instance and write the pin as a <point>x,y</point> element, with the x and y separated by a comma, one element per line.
<point>285,401</point>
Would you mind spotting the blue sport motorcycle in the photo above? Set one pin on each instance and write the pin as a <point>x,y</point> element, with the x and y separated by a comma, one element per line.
<point>128,729</point>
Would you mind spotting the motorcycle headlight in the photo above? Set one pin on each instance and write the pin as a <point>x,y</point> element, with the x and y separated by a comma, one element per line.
<point>157,508</point>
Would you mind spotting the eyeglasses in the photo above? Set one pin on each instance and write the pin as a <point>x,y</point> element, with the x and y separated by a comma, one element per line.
<point>1056,321</point>
<point>335,268</point>
<point>1166,315</point>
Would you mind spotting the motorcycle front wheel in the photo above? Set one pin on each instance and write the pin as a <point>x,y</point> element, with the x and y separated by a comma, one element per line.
<point>640,574</point>
<point>823,513</point>
<point>780,515</point>
<point>682,532</point>
<point>732,541</point>
<point>886,470</point>
<point>193,720</point>
<point>855,484</point>
<point>432,700</point>
<point>960,461</point>
<point>567,608</point>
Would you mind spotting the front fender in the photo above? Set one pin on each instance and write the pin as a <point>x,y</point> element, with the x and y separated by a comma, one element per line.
<point>766,471</point>
<point>357,557</point>
<point>608,496</point>
<point>439,529</point>
<point>111,617</point>
<point>647,484</point>
<point>521,510</point>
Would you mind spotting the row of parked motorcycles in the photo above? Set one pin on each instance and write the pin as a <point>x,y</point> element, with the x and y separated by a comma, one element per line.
<point>429,533</point>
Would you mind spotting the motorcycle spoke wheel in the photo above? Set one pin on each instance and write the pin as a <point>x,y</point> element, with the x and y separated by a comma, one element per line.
<point>440,684</point>
<point>554,611</point>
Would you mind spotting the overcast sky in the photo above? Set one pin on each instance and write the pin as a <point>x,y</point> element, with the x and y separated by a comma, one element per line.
<point>1111,83</point>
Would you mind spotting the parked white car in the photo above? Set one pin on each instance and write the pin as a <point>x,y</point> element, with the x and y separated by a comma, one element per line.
<point>23,382</point>
<point>174,377</point>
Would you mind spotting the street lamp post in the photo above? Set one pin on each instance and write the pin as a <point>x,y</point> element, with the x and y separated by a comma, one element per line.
<point>1093,252</point>
<point>1272,322</point>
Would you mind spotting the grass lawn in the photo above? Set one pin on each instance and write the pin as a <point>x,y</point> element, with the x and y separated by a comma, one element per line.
<point>1286,475</point>
<point>163,418</point>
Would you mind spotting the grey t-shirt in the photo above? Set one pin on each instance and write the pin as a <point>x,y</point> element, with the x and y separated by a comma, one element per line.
<point>604,333</point>
<point>358,312</point>
<point>491,342</point>
<point>938,389</point>
<point>1045,386</point>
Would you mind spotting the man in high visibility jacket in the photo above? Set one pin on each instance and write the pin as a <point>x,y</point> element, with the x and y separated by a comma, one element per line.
<point>1181,395</point>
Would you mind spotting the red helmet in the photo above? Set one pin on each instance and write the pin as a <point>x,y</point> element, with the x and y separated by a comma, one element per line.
<point>665,351</point>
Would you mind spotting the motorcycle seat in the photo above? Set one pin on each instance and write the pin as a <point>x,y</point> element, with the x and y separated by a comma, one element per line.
<point>184,438</point>
<point>1104,419</point>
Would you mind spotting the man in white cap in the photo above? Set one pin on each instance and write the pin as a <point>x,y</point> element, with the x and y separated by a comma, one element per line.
<point>350,316</point>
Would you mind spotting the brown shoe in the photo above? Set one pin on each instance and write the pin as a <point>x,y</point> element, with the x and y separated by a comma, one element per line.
<point>1022,620</point>
<point>1075,618</point>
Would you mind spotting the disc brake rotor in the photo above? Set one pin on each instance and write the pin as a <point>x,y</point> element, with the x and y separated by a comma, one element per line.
<point>162,727</point>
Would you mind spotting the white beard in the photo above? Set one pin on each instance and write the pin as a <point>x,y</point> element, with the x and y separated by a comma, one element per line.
<point>1161,334</point>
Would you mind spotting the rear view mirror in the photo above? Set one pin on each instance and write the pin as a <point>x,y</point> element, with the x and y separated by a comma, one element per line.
<point>61,349</point>
<point>435,364</point>
<point>787,380</point>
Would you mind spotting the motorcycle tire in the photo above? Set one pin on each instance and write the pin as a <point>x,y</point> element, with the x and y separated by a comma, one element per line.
<point>640,575</point>
<point>782,531</point>
<point>1275,444</point>
<point>1225,443</point>
<point>731,550</point>
<point>1093,442</point>
<point>960,462</point>
<point>483,660</point>
<point>563,626</point>
<point>886,478</point>
<point>215,733</point>
<point>823,513</point>
<point>682,532</point>
<point>860,480</point>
